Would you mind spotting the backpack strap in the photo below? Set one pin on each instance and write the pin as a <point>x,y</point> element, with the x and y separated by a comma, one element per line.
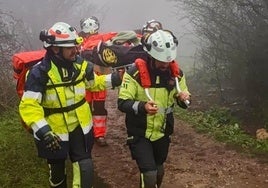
<point>177,73</point>
<point>174,68</point>
<point>144,74</point>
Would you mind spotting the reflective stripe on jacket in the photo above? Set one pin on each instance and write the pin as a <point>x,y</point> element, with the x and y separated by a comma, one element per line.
<point>46,90</point>
<point>57,95</point>
<point>132,99</point>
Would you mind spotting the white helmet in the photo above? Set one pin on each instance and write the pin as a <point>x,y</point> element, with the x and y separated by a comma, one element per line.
<point>161,45</point>
<point>90,25</point>
<point>60,34</point>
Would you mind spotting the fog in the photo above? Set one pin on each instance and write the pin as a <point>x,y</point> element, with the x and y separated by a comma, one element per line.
<point>114,15</point>
<point>127,14</point>
<point>133,14</point>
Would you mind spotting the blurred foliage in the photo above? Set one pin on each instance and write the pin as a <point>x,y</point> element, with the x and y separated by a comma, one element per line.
<point>12,40</point>
<point>48,12</point>
<point>233,53</point>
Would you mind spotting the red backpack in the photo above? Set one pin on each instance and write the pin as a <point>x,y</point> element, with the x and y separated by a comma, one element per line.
<point>22,62</point>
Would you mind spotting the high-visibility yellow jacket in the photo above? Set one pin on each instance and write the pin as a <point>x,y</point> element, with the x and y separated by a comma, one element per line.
<point>132,99</point>
<point>50,100</point>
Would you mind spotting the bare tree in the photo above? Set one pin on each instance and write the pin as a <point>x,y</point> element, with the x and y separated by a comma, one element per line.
<point>46,13</point>
<point>11,40</point>
<point>235,44</point>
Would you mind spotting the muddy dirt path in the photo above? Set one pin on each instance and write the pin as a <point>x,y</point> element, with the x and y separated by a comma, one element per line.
<point>194,160</point>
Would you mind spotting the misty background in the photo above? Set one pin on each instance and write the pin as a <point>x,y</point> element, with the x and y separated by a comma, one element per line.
<point>223,45</point>
<point>114,15</point>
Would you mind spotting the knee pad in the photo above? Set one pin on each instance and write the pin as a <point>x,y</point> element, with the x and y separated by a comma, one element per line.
<point>57,175</point>
<point>160,174</point>
<point>160,170</point>
<point>148,179</point>
<point>86,165</point>
<point>83,174</point>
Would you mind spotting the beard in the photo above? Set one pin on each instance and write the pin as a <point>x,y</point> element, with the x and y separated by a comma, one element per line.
<point>161,70</point>
<point>62,62</point>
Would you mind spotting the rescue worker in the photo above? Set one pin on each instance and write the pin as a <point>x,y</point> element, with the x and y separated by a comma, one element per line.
<point>90,33</point>
<point>151,26</point>
<point>148,92</point>
<point>54,107</point>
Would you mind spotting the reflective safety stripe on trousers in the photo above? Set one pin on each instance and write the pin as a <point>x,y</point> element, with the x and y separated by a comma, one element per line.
<point>99,121</point>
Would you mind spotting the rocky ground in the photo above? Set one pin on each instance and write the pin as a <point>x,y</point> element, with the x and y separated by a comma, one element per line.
<point>194,160</point>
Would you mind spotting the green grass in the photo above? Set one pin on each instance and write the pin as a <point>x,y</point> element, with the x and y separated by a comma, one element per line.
<point>20,166</point>
<point>219,123</point>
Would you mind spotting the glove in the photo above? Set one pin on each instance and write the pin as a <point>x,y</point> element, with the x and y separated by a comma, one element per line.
<point>52,141</point>
<point>117,77</point>
<point>182,104</point>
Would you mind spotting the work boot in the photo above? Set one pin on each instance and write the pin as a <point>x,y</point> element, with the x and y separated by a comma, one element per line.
<point>101,141</point>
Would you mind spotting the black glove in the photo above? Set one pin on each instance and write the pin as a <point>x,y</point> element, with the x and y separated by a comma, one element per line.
<point>51,140</point>
<point>117,77</point>
<point>90,72</point>
<point>87,54</point>
<point>183,104</point>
